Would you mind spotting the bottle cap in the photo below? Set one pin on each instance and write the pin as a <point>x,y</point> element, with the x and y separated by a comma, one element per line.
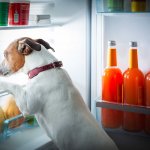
<point>133,44</point>
<point>111,43</point>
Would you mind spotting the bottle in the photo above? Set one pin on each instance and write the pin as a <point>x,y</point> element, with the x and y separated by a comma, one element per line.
<point>147,102</point>
<point>138,5</point>
<point>112,80</point>
<point>133,91</point>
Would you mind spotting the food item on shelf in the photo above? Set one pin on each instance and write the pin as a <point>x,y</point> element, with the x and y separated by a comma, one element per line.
<point>2,118</point>
<point>112,80</point>
<point>31,121</point>
<point>4,13</point>
<point>11,110</point>
<point>138,5</point>
<point>147,102</point>
<point>18,13</point>
<point>133,91</point>
<point>115,5</point>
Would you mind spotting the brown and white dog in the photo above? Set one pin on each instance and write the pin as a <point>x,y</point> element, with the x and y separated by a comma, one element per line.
<point>51,96</point>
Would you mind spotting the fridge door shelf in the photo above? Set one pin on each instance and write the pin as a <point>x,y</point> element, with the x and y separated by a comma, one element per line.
<point>123,107</point>
<point>118,6</point>
<point>11,126</point>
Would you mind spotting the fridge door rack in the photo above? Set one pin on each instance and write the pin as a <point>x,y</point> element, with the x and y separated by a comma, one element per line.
<point>119,6</point>
<point>125,108</point>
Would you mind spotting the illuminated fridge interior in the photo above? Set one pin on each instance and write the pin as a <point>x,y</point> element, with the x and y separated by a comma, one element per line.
<point>60,24</point>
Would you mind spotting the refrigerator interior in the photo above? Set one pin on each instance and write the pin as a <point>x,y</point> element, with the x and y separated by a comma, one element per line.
<point>122,27</point>
<point>63,32</point>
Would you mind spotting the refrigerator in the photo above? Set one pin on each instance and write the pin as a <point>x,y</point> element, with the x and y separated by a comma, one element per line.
<point>79,31</point>
<point>119,21</point>
<point>65,25</point>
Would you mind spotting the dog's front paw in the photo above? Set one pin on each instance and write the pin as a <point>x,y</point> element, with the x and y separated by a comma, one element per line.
<point>3,84</point>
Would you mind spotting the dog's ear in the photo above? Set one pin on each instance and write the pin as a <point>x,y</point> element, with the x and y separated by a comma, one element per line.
<point>45,44</point>
<point>27,45</point>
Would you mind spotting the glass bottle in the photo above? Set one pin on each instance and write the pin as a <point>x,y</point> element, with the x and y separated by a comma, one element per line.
<point>115,5</point>
<point>133,91</point>
<point>138,5</point>
<point>112,80</point>
<point>147,102</point>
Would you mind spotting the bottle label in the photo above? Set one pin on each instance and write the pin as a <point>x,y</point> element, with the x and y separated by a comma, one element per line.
<point>16,17</point>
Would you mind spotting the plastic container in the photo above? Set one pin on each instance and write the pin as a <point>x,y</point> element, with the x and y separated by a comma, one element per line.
<point>19,13</point>
<point>11,121</point>
<point>4,13</point>
<point>115,5</point>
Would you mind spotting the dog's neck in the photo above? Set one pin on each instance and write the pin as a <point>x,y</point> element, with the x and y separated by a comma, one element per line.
<point>37,59</point>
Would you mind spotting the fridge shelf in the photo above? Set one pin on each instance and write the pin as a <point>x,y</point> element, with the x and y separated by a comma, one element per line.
<point>26,27</point>
<point>123,107</point>
<point>41,1</point>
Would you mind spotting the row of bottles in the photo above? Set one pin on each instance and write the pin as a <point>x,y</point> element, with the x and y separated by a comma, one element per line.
<point>126,5</point>
<point>129,87</point>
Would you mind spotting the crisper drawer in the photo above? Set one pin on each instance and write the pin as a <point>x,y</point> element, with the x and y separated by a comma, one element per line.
<point>125,139</point>
<point>11,126</point>
<point>11,119</point>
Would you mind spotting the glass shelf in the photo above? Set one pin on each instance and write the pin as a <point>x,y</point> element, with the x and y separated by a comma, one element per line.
<point>27,26</point>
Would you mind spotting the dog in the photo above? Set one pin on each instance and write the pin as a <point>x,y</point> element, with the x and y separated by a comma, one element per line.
<point>52,97</point>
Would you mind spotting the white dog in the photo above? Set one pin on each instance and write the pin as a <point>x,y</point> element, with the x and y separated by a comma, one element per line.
<point>52,97</point>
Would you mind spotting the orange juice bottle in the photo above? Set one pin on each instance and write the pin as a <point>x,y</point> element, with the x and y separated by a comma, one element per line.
<point>112,80</point>
<point>147,102</point>
<point>133,91</point>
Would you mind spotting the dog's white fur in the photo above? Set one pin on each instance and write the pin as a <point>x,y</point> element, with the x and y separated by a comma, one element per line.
<point>58,106</point>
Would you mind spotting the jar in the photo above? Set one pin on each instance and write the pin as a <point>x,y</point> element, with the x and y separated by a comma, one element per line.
<point>115,5</point>
<point>138,5</point>
<point>19,13</point>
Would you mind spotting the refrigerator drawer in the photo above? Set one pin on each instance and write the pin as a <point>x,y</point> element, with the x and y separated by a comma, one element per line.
<point>17,124</point>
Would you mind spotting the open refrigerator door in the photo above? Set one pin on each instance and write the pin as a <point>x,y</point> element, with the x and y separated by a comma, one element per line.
<point>122,22</point>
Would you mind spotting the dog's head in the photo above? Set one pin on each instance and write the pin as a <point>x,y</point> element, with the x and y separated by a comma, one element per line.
<point>15,53</point>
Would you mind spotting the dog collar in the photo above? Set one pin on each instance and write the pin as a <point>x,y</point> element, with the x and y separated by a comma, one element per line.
<point>36,71</point>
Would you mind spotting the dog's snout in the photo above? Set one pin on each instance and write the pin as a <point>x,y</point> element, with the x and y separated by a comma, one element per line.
<point>4,70</point>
